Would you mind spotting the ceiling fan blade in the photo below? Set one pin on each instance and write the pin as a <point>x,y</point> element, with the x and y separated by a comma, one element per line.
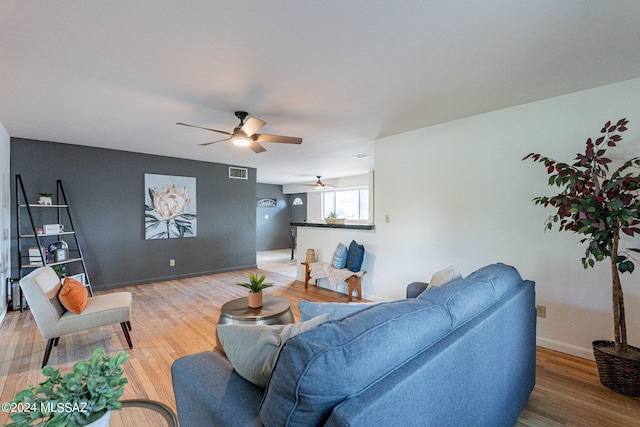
<point>213,142</point>
<point>252,126</point>
<point>263,137</point>
<point>200,127</point>
<point>257,148</point>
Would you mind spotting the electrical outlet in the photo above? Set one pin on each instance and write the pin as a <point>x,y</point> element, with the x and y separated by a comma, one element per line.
<point>541,310</point>
<point>172,263</point>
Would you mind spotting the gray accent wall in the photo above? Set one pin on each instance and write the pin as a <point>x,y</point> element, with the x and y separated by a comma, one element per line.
<point>272,232</point>
<point>105,189</point>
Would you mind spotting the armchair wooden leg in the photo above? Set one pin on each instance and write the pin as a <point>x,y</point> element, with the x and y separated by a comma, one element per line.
<point>55,342</point>
<point>129,324</point>
<point>125,329</point>
<point>47,351</point>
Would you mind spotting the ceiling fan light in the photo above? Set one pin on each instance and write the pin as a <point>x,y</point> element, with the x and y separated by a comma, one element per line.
<point>241,141</point>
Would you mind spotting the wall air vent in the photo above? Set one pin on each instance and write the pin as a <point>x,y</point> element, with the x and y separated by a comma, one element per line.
<point>238,173</point>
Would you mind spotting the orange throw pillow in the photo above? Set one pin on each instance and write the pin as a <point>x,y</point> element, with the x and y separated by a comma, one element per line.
<point>73,295</point>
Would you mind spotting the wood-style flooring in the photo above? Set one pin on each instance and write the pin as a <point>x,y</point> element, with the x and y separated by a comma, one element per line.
<point>176,318</point>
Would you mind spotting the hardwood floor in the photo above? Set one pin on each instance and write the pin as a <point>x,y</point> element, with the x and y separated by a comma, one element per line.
<point>177,318</point>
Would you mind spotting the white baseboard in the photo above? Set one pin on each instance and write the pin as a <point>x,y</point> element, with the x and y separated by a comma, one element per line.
<point>585,353</point>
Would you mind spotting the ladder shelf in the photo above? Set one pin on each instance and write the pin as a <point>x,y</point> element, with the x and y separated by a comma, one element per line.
<point>66,252</point>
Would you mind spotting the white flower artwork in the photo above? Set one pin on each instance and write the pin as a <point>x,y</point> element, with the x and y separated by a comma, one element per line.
<point>170,206</point>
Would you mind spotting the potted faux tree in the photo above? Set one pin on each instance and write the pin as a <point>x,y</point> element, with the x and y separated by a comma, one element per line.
<point>255,285</point>
<point>82,397</point>
<point>600,206</point>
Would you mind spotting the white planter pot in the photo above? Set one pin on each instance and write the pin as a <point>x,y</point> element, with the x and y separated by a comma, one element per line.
<point>103,421</point>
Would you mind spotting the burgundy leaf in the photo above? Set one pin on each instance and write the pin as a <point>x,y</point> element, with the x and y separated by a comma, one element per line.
<point>628,231</point>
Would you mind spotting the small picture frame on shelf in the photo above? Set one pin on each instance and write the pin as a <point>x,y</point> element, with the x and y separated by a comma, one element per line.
<point>79,277</point>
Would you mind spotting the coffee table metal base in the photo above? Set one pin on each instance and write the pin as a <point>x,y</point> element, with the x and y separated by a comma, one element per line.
<point>274,311</point>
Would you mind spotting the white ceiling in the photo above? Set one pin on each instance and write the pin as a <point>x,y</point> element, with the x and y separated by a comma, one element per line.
<point>120,73</point>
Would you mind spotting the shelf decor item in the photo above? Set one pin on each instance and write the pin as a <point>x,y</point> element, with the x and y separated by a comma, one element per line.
<point>255,285</point>
<point>311,256</point>
<point>600,205</point>
<point>83,397</point>
<point>45,199</point>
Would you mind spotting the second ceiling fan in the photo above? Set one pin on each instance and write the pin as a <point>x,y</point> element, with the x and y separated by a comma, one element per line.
<point>245,134</point>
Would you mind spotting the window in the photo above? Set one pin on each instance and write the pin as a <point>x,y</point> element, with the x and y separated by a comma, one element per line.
<point>349,204</point>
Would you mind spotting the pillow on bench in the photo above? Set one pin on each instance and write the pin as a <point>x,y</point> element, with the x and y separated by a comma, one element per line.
<point>355,256</point>
<point>340,256</point>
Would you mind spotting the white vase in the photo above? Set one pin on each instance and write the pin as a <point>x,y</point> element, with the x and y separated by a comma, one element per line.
<point>103,421</point>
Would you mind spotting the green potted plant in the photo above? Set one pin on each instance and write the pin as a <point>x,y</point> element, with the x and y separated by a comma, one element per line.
<point>80,398</point>
<point>61,270</point>
<point>255,285</point>
<point>600,205</point>
<point>332,218</point>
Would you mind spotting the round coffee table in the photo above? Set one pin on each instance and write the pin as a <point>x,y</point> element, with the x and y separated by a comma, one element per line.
<point>143,412</point>
<point>274,311</point>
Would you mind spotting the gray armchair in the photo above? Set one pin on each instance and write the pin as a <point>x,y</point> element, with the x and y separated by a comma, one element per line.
<point>41,287</point>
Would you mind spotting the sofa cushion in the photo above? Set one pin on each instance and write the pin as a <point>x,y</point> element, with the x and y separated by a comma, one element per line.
<point>300,393</point>
<point>253,349</point>
<point>340,256</point>
<point>335,310</point>
<point>355,256</point>
<point>465,298</point>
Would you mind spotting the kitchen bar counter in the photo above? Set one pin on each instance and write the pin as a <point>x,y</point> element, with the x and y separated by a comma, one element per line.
<point>343,226</point>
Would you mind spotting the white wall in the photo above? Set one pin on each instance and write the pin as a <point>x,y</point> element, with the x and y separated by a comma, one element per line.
<point>5,217</point>
<point>458,193</point>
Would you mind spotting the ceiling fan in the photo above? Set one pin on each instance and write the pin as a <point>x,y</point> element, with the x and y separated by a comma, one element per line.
<point>319,185</point>
<point>245,135</point>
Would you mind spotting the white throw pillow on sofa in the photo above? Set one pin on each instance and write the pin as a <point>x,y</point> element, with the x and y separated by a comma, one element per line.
<point>253,349</point>
<point>445,275</point>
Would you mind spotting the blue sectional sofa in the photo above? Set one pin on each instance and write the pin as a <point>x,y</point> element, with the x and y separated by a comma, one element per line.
<point>461,354</point>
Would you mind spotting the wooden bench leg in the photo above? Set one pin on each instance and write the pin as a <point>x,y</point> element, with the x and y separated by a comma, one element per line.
<point>354,283</point>
<point>307,274</point>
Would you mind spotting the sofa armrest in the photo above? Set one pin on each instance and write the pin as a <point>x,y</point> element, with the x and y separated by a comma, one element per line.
<point>209,392</point>
<point>416,288</point>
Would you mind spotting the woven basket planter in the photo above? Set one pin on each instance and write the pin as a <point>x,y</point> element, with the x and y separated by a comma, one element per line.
<point>334,220</point>
<point>617,373</point>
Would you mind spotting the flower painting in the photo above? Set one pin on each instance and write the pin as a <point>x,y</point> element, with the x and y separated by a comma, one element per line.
<point>170,206</point>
